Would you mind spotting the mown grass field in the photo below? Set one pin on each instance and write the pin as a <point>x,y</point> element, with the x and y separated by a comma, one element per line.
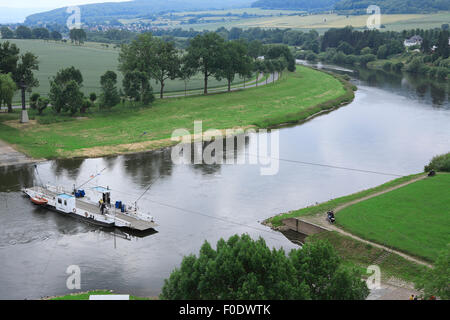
<point>334,203</point>
<point>93,60</point>
<point>414,219</point>
<point>296,96</point>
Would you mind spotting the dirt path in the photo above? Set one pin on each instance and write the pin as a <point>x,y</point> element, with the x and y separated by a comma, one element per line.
<point>320,219</point>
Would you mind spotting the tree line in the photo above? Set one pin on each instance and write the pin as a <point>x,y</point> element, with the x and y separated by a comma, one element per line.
<point>146,58</point>
<point>149,57</point>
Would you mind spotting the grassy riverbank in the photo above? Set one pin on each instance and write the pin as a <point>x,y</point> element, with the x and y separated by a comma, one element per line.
<point>276,221</point>
<point>414,218</point>
<point>295,97</point>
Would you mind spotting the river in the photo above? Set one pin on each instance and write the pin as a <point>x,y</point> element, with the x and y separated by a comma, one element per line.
<point>395,125</point>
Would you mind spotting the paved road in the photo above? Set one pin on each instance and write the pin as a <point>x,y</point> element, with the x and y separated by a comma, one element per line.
<point>9,156</point>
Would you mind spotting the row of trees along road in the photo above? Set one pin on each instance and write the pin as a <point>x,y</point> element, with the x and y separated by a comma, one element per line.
<point>208,53</point>
<point>18,69</point>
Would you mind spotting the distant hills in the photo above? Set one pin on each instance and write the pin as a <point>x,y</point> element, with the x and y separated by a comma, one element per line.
<point>133,9</point>
<point>107,12</point>
<point>357,6</point>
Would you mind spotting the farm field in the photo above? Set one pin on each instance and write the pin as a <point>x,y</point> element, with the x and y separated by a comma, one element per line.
<point>93,60</point>
<point>296,96</point>
<point>323,22</point>
<point>414,218</point>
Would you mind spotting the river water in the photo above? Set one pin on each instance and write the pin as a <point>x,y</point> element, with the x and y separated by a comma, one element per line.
<point>395,125</point>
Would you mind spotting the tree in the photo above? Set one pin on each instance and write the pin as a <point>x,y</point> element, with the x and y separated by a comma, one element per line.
<point>33,100</point>
<point>443,48</point>
<point>186,73</point>
<point>242,268</point>
<point>327,279</point>
<point>255,49</point>
<point>435,282</point>
<point>235,61</point>
<point>9,56</point>
<point>41,33</point>
<point>269,68</point>
<point>65,90</point>
<point>165,63</point>
<point>93,97</point>
<point>77,36</point>
<point>23,32</point>
<point>137,87</point>
<point>42,104</point>
<point>109,96</point>
<point>382,52</point>
<point>205,53</point>
<point>7,90</point>
<point>23,75</point>
<point>6,33</point>
<point>238,269</point>
<point>259,68</point>
<point>277,51</point>
<point>55,35</point>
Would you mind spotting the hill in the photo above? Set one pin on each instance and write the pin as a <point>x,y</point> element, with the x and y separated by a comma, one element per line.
<point>101,12</point>
<point>357,6</point>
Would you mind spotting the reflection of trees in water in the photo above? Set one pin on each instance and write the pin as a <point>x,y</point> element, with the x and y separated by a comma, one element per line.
<point>13,178</point>
<point>407,84</point>
<point>110,162</point>
<point>70,166</point>
<point>233,147</point>
<point>145,167</point>
<point>439,93</point>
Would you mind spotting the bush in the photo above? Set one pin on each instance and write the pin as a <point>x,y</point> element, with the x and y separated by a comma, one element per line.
<point>242,268</point>
<point>439,163</point>
<point>33,100</point>
<point>387,66</point>
<point>398,66</point>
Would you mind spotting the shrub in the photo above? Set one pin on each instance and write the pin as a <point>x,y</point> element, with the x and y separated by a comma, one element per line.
<point>33,100</point>
<point>398,66</point>
<point>387,66</point>
<point>439,163</point>
<point>242,268</point>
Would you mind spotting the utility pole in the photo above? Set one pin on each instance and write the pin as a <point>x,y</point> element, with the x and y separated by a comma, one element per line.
<point>24,115</point>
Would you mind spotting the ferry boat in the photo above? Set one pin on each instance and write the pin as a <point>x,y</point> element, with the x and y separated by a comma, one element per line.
<point>97,208</point>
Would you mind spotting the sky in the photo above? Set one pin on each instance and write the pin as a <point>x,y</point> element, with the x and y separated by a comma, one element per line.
<point>48,4</point>
<point>17,11</point>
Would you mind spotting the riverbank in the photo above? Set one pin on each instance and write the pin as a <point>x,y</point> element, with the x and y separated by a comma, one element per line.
<point>296,96</point>
<point>399,220</point>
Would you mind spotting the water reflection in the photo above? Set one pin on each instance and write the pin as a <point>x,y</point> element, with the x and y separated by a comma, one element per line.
<point>417,87</point>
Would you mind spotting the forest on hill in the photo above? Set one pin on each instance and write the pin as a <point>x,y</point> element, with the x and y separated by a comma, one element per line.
<point>357,6</point>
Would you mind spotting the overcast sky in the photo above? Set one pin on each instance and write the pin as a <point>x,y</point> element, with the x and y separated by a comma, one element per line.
<point>53,4</point>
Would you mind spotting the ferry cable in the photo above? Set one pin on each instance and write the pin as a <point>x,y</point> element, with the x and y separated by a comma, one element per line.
<point>329,166</point>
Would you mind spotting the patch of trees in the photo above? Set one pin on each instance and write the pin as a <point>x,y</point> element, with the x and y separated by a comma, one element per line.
<point>244,269</point>
<point>392,6</point>
<point>149,57</point>
<point>439,163</point>
<point>18,68</point>
<point>23,32</point>
<point>356,6</point>
<point>77,36</point>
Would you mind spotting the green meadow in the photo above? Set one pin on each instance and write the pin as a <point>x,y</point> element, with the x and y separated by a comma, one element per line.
<point>93,60</point>
<point>414,218</point>
<point>294,97</point>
